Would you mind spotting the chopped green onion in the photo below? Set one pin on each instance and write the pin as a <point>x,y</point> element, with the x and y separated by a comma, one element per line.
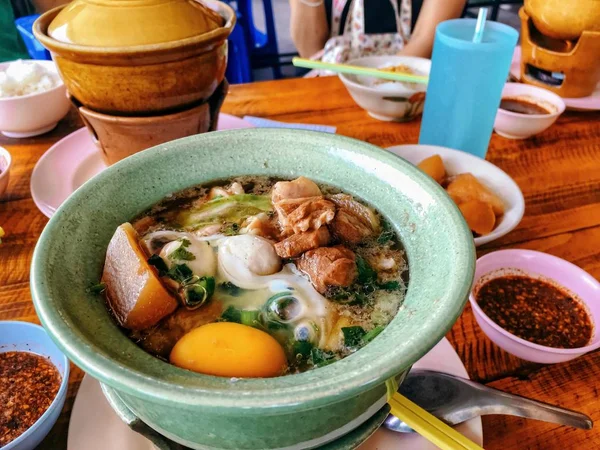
<point>249,317</point>
<point>370,335</point>
<point>198,292</point>
<point>96,288</point>
<point>353,336</point>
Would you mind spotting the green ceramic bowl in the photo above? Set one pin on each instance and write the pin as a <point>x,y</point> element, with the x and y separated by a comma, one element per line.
<point>297,411</point>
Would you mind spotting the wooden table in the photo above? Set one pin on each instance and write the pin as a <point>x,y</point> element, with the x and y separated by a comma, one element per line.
<point>558,172</point>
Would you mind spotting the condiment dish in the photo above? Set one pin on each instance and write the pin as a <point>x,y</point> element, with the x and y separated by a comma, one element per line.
<point>5,164</point>
<point>28,337</point>
<point>388,100</point>
<point>33,114</point>
<point>491,176</point>
<point>546,267</point>
<point>514,125</point>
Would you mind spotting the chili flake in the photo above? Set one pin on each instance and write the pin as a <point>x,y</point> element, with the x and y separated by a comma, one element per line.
<point>28,385</point>
<point>536,310</point>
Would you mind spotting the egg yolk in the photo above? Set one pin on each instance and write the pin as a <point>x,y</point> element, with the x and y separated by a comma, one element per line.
<point>229,350</point>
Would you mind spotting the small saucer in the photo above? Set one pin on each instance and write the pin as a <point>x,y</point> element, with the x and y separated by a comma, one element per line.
<point>95,425</point>
<point>75,159</point>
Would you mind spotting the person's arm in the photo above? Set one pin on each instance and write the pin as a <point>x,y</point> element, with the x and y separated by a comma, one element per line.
<point>432,13</point>
<point>308,27</point>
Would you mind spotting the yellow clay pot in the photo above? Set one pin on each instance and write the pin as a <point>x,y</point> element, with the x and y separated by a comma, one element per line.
<point>562,19</point>
<point>138,57</point>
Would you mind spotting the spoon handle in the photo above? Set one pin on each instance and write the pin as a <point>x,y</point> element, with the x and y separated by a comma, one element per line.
<point>499,402</point>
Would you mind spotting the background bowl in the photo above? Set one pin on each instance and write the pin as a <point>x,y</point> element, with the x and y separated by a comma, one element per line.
<point>143,79</point>
<point>27,337</point>
<point>33,114</point>
<point>390,100</point>
<point>301,410</point>
<point>5,163</point>
<point>520,126</point>
<point>568,275</point>
<point>491,176</point>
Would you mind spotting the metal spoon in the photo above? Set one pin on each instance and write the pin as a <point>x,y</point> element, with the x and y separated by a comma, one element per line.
<point>455,400</point>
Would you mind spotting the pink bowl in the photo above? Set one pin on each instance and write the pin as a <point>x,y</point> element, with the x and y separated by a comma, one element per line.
<point>568,275</point>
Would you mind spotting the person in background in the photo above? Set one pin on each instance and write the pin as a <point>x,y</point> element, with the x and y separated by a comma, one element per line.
<point>340,30</point>
<point>11,45</point>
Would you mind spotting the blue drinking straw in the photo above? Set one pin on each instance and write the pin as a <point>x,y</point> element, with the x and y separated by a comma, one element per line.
<point>480,25</point>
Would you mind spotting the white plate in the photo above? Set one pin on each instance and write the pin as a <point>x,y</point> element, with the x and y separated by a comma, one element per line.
<point>589,103</point>
<point>74,159</point>
<point>491,176</point>
<point>95,426</point>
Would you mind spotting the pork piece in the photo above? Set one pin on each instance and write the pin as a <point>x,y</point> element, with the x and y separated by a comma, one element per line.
<point>298,243</point>
<point>298,188</point>
<point>329,266</point>
<point>219,191</point>
<point>304,214</point>
<point>261,225</point>
<point>353,221</point>
<point>134,292</point>
<point>161,339</point>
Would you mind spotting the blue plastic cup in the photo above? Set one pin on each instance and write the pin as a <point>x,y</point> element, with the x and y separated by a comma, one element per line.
<point>465,84</point>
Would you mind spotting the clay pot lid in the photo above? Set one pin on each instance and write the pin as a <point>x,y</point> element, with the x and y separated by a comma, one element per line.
<point>125,23</point>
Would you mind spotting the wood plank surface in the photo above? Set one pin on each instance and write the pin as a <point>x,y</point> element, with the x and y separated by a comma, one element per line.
<point>558,172</point>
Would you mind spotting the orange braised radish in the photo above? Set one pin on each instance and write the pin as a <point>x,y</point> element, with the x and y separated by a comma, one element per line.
<point>465,187</point>
<point>434,167</point>
<point>135,294</point>
<point>479,216</point>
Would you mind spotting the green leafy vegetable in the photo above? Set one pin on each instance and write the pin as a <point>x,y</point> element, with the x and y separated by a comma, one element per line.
<point>370,335</point>
<point>159,263</point>
<point>96,288</point>
<point>390,286</point>
<point>321,358</point>
<point>181,254</point>
<point>230,289</point>
<point>180,273</point>
<point>386,235</point>
<point>366,274</point>
<point>232,314</point>
<point>226,209</point>
<point>353,336</point>
<point>302,349</point>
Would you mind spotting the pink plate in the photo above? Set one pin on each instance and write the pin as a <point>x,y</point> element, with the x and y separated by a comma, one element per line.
<point>591,103</point>
<point>74,159</point>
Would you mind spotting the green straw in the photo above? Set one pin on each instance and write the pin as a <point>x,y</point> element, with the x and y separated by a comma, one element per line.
<point>358,70</point>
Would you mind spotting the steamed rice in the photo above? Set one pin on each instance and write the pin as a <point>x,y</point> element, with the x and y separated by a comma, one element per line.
<point>24,78</point>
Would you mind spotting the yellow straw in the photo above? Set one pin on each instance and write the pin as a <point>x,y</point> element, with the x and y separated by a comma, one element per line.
<point>429,426</point>
<point>358,70</point>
